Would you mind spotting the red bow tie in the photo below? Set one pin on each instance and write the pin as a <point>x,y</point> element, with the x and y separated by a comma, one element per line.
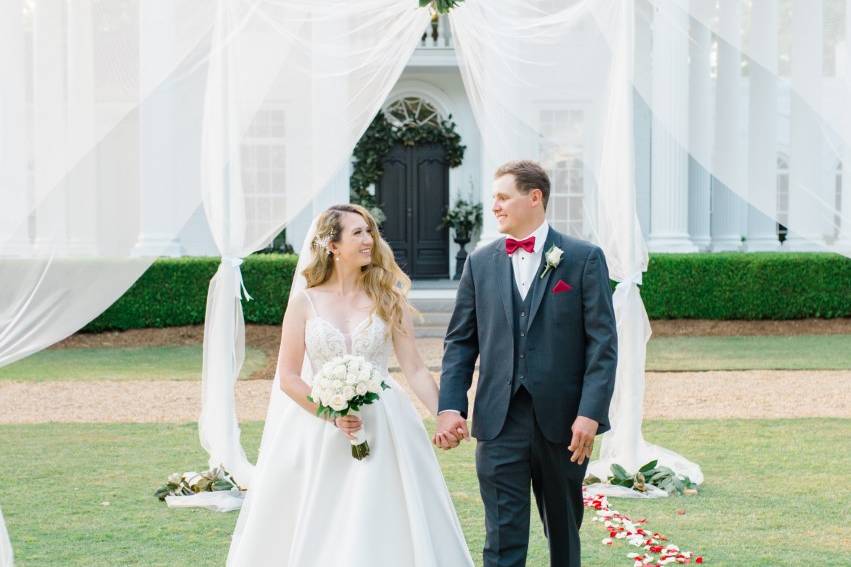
<point>512,245</point>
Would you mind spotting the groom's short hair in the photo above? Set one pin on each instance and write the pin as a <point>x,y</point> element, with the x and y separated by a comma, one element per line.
<point>528,175</point>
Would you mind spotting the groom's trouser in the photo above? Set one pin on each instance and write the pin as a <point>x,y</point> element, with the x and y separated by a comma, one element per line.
<point>507,465</point>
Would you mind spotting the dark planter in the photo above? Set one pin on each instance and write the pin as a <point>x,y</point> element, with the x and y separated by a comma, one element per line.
<point>462,238</point>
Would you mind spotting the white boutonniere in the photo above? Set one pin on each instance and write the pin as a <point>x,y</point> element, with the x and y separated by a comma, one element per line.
<point>553,258</point>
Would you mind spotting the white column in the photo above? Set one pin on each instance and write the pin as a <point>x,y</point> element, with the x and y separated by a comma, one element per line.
<point>669,163</point>
<point>728,149</point>
<point>81,183</point>
<point>156,153</point>
<point>700,124</point>
<point>14,146</point>
<point>643,115</point>
<point>762,129</point>
<point>843,241</point>
<point>50,119</point>
<point>490,230</point>
<point>806,229</point>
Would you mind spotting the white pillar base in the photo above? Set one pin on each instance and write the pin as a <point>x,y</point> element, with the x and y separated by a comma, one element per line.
<point>703,243</point>
<point>672,243</point>
<point>81,248</point>
<point>727,244</point>
<point>796,243</point>
<point>158,245</point>
<point>766,244</point>
<point>16,250</point>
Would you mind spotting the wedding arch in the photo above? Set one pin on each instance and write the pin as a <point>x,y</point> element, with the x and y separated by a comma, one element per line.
<point>120,119</point>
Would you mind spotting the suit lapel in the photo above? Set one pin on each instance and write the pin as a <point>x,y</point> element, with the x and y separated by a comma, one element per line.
<point>504,276</point>
<point>542,285</point>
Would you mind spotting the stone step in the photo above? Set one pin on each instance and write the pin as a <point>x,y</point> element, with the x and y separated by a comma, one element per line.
<point>430,331</point>
<point>433,319</point>
<point>433,305</point>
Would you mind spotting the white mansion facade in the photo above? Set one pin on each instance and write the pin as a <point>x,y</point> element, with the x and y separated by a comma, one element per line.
<point>681,207</point>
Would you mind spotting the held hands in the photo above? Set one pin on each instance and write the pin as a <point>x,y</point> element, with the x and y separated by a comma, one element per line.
<point>451,430</point>
<point>582,443</point>
<point>349,425</point>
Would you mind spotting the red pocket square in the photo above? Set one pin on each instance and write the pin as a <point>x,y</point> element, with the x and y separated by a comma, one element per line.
<point>562,287</point>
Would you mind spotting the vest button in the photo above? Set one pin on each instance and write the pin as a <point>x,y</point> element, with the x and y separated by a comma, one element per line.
<point>522,356</point>
<point>522,313</point>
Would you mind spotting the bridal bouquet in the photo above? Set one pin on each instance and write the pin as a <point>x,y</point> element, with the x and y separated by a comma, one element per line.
<point>341,387</point>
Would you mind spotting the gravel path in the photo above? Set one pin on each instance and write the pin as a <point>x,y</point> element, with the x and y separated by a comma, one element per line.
<point>669,395</point>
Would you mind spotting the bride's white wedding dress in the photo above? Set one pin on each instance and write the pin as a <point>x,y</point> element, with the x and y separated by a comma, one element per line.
<point>313,504</point>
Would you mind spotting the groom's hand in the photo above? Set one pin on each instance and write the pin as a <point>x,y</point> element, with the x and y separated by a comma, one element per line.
<point>582,443</point>
<point>451,429</point>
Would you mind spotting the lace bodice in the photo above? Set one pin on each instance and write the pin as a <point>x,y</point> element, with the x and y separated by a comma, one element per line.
<point>370,339</point>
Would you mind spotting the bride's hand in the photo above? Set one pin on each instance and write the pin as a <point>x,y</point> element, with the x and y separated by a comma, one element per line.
<point>349,425</point>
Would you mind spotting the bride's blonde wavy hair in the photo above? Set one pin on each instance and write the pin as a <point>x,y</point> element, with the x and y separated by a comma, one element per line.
<point>383,280</point>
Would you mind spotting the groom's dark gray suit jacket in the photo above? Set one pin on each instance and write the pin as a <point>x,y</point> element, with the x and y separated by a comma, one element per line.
<point>571,340</point>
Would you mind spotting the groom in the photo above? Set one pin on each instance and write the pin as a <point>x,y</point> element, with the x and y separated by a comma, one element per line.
<point>536,307</point>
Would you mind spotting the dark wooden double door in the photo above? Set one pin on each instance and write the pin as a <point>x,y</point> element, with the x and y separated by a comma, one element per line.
<point>414,194</point>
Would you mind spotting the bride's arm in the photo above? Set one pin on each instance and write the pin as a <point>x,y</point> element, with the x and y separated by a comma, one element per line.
<point>291,354</point>
<point>416,372</point>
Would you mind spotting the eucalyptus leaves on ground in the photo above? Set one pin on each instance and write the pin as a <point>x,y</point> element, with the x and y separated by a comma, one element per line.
<point>212,480</point>
<point>660,477</point>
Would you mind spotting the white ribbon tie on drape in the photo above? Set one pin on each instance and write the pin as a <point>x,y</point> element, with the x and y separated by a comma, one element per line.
<point>235,263</point>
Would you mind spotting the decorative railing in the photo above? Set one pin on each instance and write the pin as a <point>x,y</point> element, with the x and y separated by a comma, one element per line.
<point>438,33</point>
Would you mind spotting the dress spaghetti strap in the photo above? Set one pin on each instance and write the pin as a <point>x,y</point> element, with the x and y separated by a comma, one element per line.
<point>310,301</point>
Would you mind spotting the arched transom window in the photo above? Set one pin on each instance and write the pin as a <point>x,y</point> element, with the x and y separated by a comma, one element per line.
<point>412,110</point>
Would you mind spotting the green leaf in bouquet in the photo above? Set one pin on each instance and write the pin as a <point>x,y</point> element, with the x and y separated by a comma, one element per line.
<point>648,467</point>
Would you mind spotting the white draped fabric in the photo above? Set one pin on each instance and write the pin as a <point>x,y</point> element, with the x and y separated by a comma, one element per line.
<point>522,62</point>
<point>337,64</point>
<point>118,120</point>
<point>6,554</point>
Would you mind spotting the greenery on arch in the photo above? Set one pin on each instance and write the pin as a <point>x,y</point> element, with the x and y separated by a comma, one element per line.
<point>380,138</point>
<point>441,6</point>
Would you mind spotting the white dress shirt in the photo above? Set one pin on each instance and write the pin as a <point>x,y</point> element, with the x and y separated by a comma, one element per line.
<point>526,265</point>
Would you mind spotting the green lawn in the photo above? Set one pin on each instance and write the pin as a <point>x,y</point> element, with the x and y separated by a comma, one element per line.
<point>776,494</point>
<point>802,352</point>
<point>119,363</point>
<point>664,353</point>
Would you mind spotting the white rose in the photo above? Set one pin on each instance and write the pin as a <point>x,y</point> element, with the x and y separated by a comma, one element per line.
<point>348,392</point>
<point>339,374</point>
<point>375,386</point>
<point>554,256</point>
<point>338,403</point>
<point>362,388</point>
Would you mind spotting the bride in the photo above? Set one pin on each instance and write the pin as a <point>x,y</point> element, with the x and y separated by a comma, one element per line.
<point>310,502</point>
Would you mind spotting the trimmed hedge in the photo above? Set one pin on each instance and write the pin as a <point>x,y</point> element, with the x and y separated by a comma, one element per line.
<point>771,285</point>
<point>173,292</point>
<point>677,286</point>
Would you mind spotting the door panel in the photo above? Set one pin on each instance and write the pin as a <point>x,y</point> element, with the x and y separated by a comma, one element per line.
<point>414,194</point>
